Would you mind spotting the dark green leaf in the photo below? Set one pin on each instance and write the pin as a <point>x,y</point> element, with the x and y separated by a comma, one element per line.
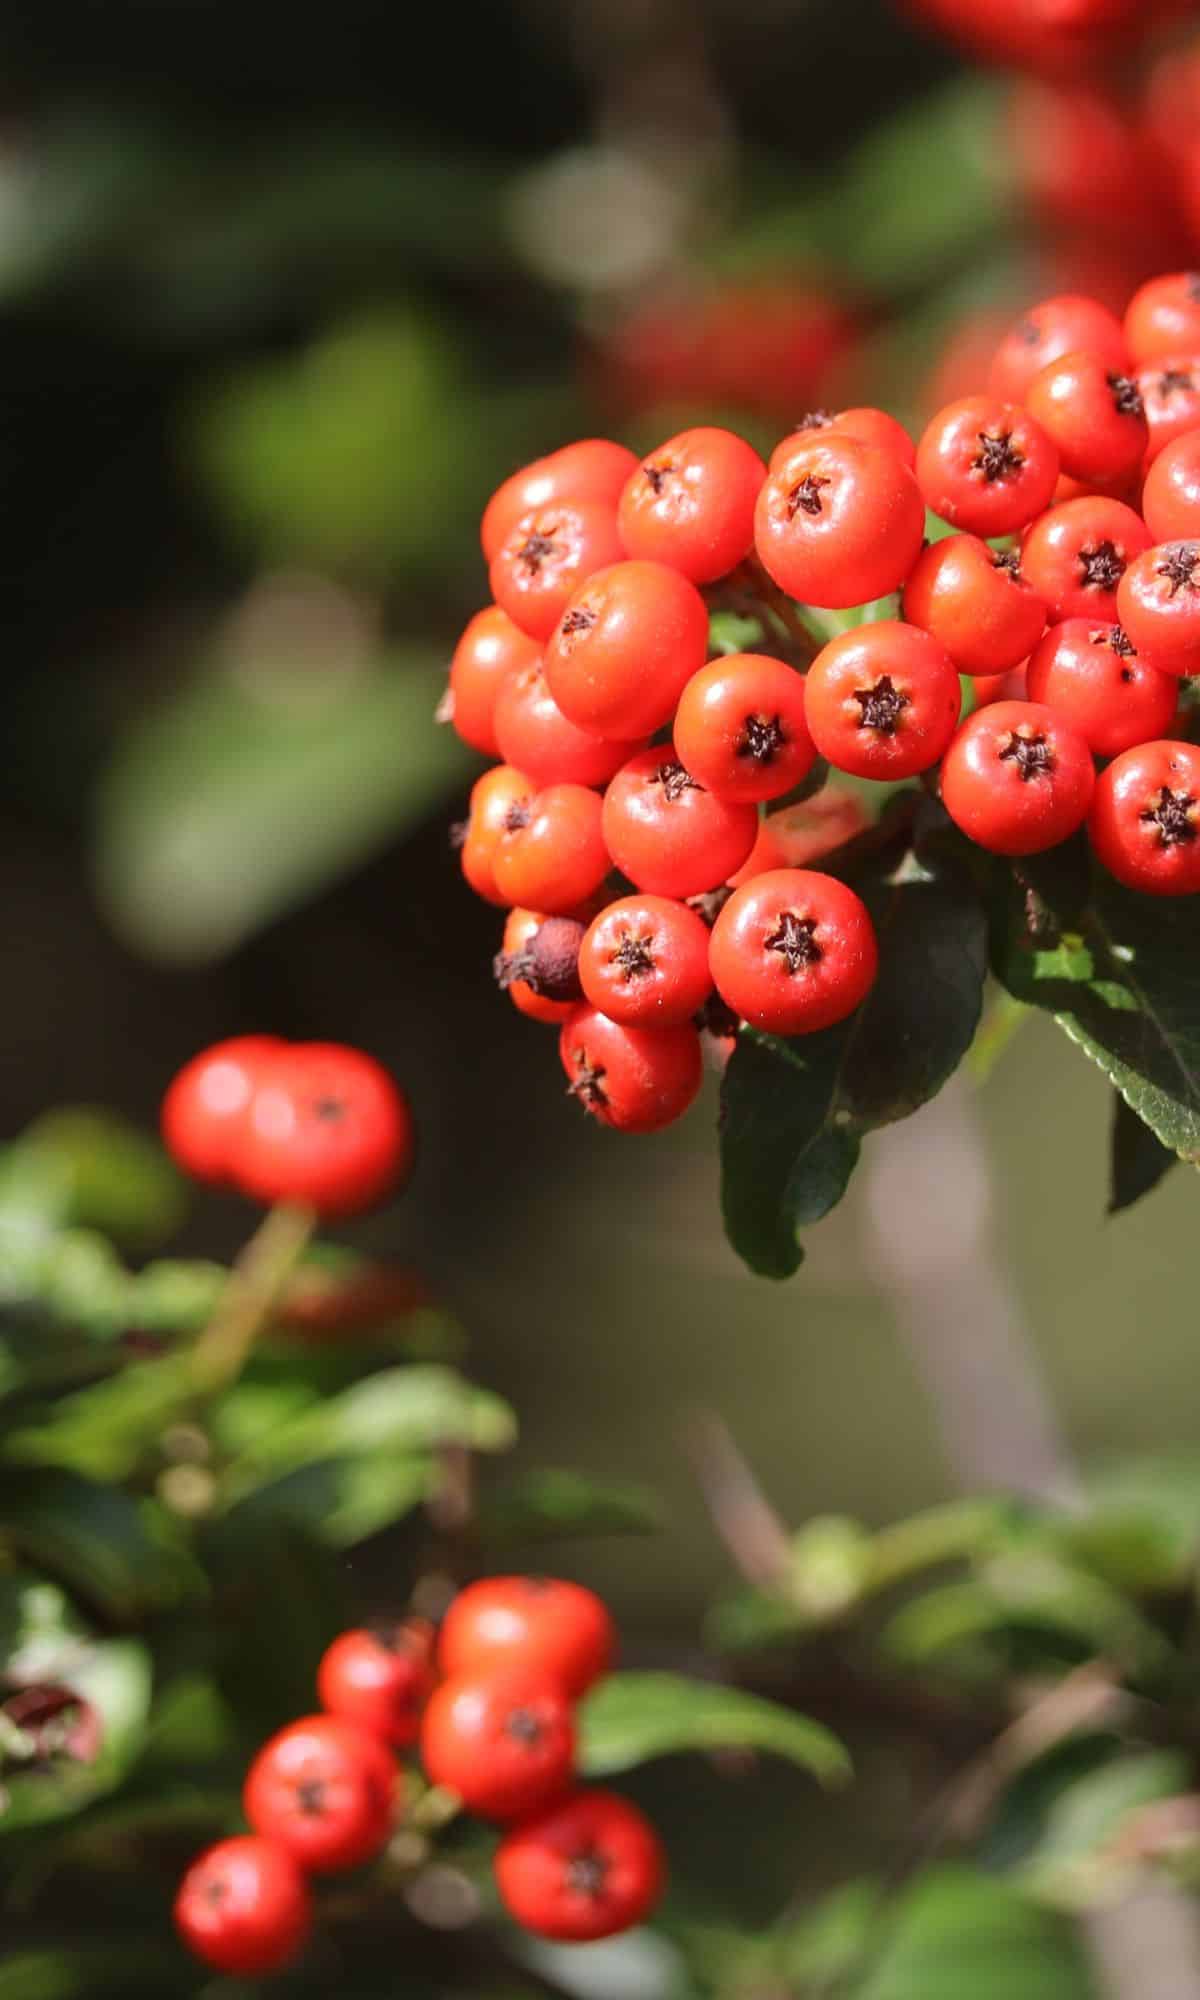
<point>1121,977</point>
<point>1137,1159</point>
<point>631,1718</point>
<point>106,1431</point>
<point>340,1501</point>
<point>271,1578</point>
<point>116,1552</point>
<point>793,1112</point>
<point>551,1503</point>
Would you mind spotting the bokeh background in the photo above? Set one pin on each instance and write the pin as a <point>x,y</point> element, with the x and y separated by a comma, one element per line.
<point>283,294</point>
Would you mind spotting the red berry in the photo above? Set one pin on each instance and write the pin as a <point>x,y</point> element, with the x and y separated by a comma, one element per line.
<point>500,1737</point>
<point>1170,393</point>
<point>1076,554</point>
<point>1017,778</point>
<point>591,469</point>
<point>839,522</point>
<point>380,1677</point>
<point>868,425</point>
<point>325,1790</point>
<point>667,833</point>
<point>551,854</point>
<point>1158,603</point>
<point>624,648</point>
<point>1171,495</point>
<point>542,1622</point>
<point>534,734</point>
<point>1145,819</point>
<point>793,951</point>
<point>882,700</point>
<point>489,650</point>
<point>588,1868</point>
<point>499,799</point>
<point>548,554</point>
<point>328,1126</point>
<point>1093,415</point>
<point>740,728</point>
<point>1163,317</point>
<point>644,962</point>
<point>244,1907</point>
<point>977,602</point>
<point>538,964</point>
<point>205,1110</point>
<point>690,504</point>
<point>634,1079</point>
<point>986,465</point>
<point>1094,677</point>
<point>1057,326</point>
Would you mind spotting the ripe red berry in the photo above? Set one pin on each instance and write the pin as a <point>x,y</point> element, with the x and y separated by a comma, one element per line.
<point>644,962</point>
<point>1170,393</point>
<point>740,728</point>
<point>548,554</point>
<point>882,700</point>
<point>588,1868</point>
<point>634,1079</point>
<point>1163,317</point>
<point>793,951</point>
<point>868,425</point>
<point>380,1677</point>
<point>551,854</point>
<point>590,469</point>
<point>839,522</point>
<point>206,1107</point>
<point>1093,415</point>
<point>501,1738</point>
<point>325,1790</point>
<point>1093,676</point>
<point>1158,603</point>
<point>489,650</point>
<point>327,1125</point>
<point>1171,494</point>
<point>667,833</point>
<point>624,647</point>
<point>1145,819</point>
<point>1076,554</point>
<point>244,1907</point>
<point>1017,778</point>
<point>977,602</point>
<point>538,964</point>
<point>690,504</point>
<point>500,798</point>
<point>986,466</point>
<point>542,1622</point>
<point>1059,325</point>
<point>535,735</point>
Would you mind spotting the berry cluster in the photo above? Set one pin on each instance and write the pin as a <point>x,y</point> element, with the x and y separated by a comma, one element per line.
<point>489,1704</point>
<point>1061,598</point>
<point>308,1122</point>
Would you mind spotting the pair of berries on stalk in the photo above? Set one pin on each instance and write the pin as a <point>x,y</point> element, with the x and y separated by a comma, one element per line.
<point>314,1123</point>
<point>1066,598</point>
<point>492,1712</point>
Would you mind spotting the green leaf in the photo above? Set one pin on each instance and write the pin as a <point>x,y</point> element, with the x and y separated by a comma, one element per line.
<point>631,1718</point>
<point>544,1505</point>
<point>106,1431</point>
<point>1121,975</point>
<point>119,1553</point>
<point>398,1410</point>
<point>340,1501</point>
<point>279,1599</point>
<point>956,1934</point>
<point>1137,1159</point>
<point>226,806</point>
<point>1087,1815</point>
<point>99,1972</point>
<point>793,1112</point>
<point>110,1176</point>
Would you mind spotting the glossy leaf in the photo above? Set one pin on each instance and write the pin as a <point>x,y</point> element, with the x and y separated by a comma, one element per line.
<point>631,1718</point>
<point>1138,1160</point>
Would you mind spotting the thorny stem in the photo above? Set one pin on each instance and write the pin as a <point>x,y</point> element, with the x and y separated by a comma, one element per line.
<point>255,1285</point>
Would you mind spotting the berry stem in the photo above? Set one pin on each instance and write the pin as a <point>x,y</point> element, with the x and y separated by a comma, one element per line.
<point>255,1285</point>
<point>750,592</point>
